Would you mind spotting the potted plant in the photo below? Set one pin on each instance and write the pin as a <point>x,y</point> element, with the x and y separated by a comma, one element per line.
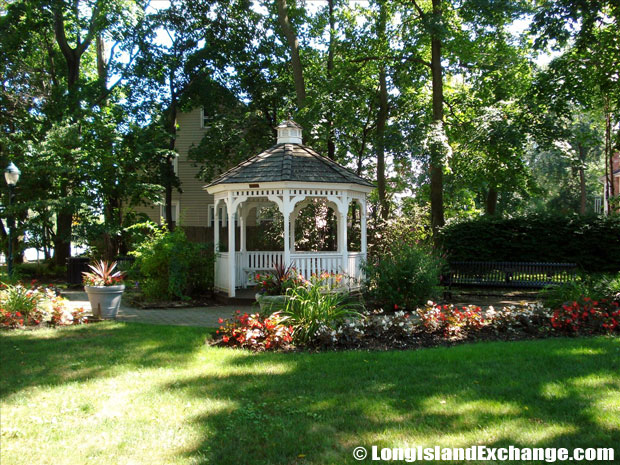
<point>271,288</point>
<point>104,287</point>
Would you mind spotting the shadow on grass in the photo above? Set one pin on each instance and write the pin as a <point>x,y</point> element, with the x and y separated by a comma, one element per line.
<point>80,353</point>
<point>315,408</point>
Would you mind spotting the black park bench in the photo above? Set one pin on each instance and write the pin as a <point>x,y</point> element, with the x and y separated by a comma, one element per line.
<point>519,275</point>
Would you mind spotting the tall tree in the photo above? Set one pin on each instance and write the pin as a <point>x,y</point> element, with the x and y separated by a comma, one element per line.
<point>293,45</point>
<point>587,72</point>
<point>383,111</point>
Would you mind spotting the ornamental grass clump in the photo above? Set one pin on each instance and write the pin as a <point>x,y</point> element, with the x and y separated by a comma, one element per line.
<point>102,274</point>
<point>318,305</point>
<point>279,281</point>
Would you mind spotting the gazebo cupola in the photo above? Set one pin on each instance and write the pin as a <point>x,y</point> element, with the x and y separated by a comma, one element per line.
<point>289,132</point>
<point>289,175</point>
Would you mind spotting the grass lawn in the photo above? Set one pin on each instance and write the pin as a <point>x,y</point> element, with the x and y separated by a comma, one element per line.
<point>113,393</point>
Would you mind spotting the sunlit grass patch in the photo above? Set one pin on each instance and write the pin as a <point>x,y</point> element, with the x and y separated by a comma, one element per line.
<point>130,393</point>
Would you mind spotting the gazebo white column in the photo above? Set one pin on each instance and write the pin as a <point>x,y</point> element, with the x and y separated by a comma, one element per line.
<point>286,211</point>
<point>343,210</point>
<point>243,214</point>
<point>364,240</point>
<point>216,227</point>
<point>231,246</point>
<point>292,232</point>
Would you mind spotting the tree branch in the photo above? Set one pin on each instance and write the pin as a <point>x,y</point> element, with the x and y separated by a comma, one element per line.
<point>90,35</point>
<point>418,9</point>
<point>61,36</point>
<point>413,58</point>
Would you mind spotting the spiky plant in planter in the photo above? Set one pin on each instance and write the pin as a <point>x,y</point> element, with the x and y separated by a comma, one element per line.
<point>104,286</point>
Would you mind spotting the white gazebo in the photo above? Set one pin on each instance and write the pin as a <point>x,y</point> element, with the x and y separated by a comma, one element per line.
<point>289,175</point>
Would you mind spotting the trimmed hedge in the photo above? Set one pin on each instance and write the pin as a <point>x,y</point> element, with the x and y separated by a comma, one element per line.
<point>593,242</point>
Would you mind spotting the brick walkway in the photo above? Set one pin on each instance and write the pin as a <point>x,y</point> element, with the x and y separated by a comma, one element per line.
<point>203,316</point>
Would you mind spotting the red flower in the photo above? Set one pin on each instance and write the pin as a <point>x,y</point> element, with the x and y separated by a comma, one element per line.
<point>395,307</point>
<point>219,320</point>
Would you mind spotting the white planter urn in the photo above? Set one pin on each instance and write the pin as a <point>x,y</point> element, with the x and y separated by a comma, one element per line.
<point>271,303</point>
<point>105,300</point>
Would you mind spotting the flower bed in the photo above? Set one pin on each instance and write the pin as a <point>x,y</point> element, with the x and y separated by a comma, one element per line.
<point>32,306</point>
<point>255,332</point>
<point>587,316</point>
<point>439,325</point>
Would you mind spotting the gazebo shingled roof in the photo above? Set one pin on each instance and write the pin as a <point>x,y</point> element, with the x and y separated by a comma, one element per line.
<point>289,162</point>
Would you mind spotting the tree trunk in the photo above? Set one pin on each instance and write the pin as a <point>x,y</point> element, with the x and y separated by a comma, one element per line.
<point>62,242</point>
<point>609,152</point>
<point>582,180</point>
<point>110,240</point>
<point>102,68</point>
<point>293,44</point>
<point>436,162</point>
<point>331,146</point>
<point>171,119</point>
<point>491,202</point>
<point>73,56</point>
<point>382,118</point>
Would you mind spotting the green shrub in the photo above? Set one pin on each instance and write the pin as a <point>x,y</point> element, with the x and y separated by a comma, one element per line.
<point>593,242</point>
<point>47,270</point>
<point>317,305</point>
<point>169,266</point>
<point>405,276</point>
<point>596,287</point>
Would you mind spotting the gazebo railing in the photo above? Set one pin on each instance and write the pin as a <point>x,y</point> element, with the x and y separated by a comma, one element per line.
<point>221,272</point>
<point>260,260</point>
<point>309,263</point>
<point>249,263</point>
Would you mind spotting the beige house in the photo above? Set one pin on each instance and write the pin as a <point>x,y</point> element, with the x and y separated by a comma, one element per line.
<point>615,176</point>
<point>193,208</point>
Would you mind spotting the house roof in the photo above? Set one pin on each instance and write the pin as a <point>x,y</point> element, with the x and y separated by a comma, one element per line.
<point>289,162</point>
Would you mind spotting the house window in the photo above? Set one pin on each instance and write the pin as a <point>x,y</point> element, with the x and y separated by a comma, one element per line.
<point>205,120</point>
<point>175,212</point>
<point>598,204</point>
